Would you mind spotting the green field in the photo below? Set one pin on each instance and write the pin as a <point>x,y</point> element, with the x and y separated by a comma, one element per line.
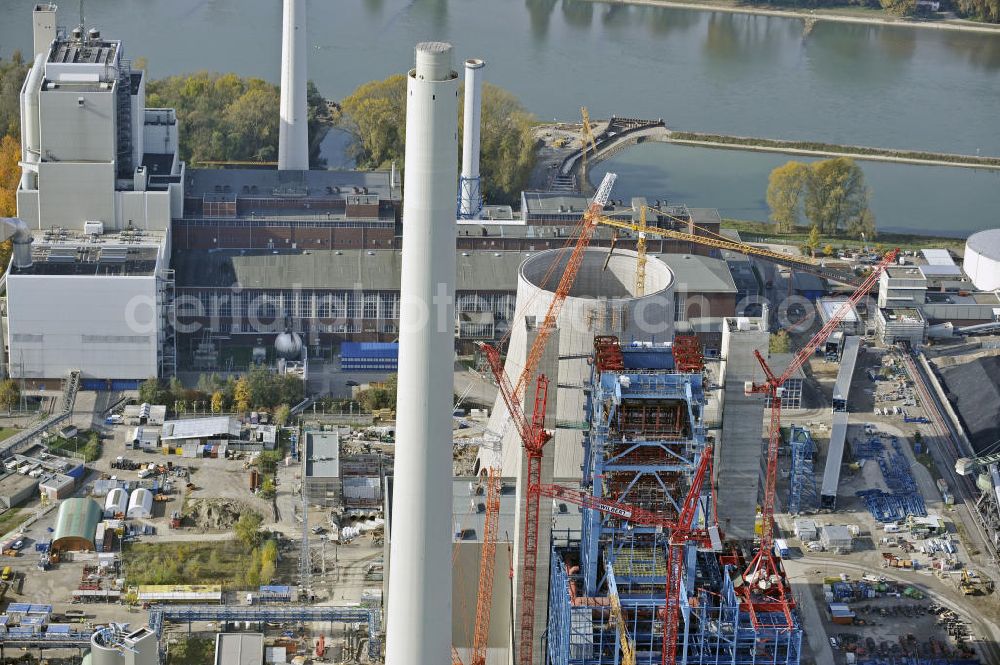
<point>7,432</point>
<point>214,562</point>
<point>11,519</point>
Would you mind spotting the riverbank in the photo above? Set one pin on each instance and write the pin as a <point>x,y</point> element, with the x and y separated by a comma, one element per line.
<point>751,231</point>
<point>817,149</point>
<point>845,15</point>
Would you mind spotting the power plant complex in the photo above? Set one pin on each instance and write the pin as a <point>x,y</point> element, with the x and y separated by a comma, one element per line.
<point>624,498</point>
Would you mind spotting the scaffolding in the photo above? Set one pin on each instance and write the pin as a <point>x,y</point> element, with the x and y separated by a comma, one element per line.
<point>802,493</point>
<point>645,441</point>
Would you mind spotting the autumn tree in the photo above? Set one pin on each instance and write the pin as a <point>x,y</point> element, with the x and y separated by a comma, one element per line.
<point>10,394</point>
<point>241,395</point>
<point>836,198</point>
<point>375,114</point>
<point>828,250</point>
<point>784,194</point>
<point>217,401</point>
<point>780,342</point>
<point>813,241</point>
<point>900,7</point>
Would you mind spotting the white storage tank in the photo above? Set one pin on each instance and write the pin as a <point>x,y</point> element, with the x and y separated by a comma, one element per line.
<point>140,504</point>
<point>982,259</point>
<point>116,502</point>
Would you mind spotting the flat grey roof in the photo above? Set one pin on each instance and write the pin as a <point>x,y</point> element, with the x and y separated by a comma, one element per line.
<point>847,361</point>
<point>701,274</point>
<point>200,428</point>
<point>322,454</point>
<point>239,649</point>
<point>271,183</point>
<point>380,270</point>
<point>15,483</point>
<point>834,455</point>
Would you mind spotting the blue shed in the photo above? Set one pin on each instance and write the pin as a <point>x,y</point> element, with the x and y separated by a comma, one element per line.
<point>369,356</point>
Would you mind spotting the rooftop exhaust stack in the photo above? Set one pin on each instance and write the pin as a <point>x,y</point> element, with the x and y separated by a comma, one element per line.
<point>293,128</point>
<point>470,195</point>
<point>418,622</point>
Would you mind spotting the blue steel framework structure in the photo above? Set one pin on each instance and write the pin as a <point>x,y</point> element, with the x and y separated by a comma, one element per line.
<point>802,493</point>
<point>645,441</point>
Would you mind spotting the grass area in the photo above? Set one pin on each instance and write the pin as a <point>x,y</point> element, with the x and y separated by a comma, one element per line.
<point>81,444</point>
<point>7,432</point>
<point>928,461</point>
<point>11,519</point>
<point>836,149</point>
<point>213,562</point>
<point>191,651</point>
<point>752,231</point>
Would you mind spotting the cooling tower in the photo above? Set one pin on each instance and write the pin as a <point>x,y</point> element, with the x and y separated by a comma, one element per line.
<point>601,302</point>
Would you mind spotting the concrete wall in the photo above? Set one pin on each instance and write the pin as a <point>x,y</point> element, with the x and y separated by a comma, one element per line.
<point>75,192</point>
<point>60,323</point>
<point>71,131</point>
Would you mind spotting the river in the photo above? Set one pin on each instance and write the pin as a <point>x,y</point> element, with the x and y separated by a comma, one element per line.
<point>887,86</point>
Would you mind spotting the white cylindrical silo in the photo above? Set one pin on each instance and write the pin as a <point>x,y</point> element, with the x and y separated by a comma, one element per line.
<point>982,259</point>
<point>601,302</point>
<point>293,126</point>
<point>418,624</point>
<point>469,190</point>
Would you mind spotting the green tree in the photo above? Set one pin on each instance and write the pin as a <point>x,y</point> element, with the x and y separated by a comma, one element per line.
<point>10,394</point>
<point>836,198</point>
<point>780,342</point>
<point>376,114</point>
<point>281,415</point>
<point>980,10</point>
<point>247,528</point>
<point>784,194</point>
<point>900,7</point>
<point>149,391</point>
<point>12,74</point>
<point>813,241</point>
<point>267,489</point>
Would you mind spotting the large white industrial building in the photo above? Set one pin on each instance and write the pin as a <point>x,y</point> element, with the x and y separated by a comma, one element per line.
<point>101,181</point>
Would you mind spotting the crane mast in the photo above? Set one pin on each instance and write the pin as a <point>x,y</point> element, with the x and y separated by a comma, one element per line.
<point>764,587</point>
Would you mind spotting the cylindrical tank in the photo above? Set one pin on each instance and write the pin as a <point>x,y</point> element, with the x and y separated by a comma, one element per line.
<point>113,646</point>
<point>288,345</point>
<point>601,302</point>
<point>982,259</point>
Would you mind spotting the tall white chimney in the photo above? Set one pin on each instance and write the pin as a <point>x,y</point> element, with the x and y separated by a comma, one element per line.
<point>470,195</point>
<point>293,128</point>
<point>418,620</point>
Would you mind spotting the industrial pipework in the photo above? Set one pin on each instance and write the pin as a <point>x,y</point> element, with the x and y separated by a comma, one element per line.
<point>470,195</point>
<point>20,235</point>
<point>30,141</point>
<point>418,620</point>
<point>293,127</point>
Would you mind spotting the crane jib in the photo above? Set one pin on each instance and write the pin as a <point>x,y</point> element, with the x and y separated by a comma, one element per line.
<point>613,510</point>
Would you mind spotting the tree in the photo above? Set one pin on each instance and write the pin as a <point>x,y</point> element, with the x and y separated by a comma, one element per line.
<point>900,7</point>
<point>828,250</point>
<point>241,395</point>
<point>812,242</point>
<point>267,489</point>
<point>12,74</point>
<point>980,10</point>
<point>784,194</point>
<point>780,342</point>
<point>836,198</point>
<point>247,529</point>
<point>281,415</point>
<point>149,391</point>
<point>217,401</point>
<point>10,394</point>
<point>375,113</point>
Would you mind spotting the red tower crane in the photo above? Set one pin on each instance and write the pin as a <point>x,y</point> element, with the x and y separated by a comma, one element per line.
<point>681,531</point>
<point>764,586</point>
<point>533,437</point>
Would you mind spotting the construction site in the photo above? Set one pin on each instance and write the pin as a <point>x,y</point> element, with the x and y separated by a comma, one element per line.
<point>621,435</point>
